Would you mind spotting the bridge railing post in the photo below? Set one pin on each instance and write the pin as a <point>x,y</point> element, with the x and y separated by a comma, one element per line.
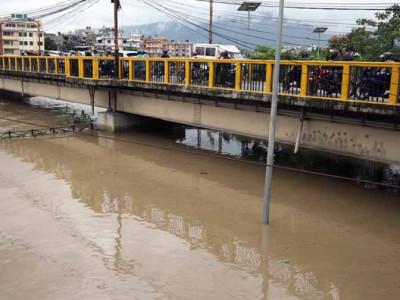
<point>211,75</point>
<point>56,61</point>
<point>47,64</point>
<point>148,71</point>
<point>95,68</point>
<point>166,71</point>
<point>67,67</point>
<point>38,64</point>
<point>120,68</point>
<point>22,63</point>
<point>394,86</point>
<point>268,78</point>
<point>238,77</point>
<point>131,69</point>
<point>304,80</point>
<point>344,95</point>
<point>188,72</point>
<point>80,67</point>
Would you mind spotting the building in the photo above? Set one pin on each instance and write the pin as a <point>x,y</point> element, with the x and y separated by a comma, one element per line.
<point>105,40</point>
<point>180,49</point>
<point>134,41</point>
<point>155,47</point>
<point>86,36</point>
<point>19,34</point>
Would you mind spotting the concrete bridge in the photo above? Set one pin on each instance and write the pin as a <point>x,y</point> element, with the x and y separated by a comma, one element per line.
<point>351,108</point>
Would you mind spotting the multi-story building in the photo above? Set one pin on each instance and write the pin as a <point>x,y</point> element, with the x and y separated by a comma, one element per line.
<point>134,41</point>
<point>155,47</point>
<point>180,49</point>
<point>86,36</point>
<point>105,40</point>
<point>20,34</point>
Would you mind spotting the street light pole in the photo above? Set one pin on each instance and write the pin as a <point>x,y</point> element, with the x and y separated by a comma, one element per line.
<point>319,30</point>
<point>248,26</point>
<point>319,40</point>
<point>210,32</point>
<point>116,47</point>
<point>272,123</point>
<point>248,6</point>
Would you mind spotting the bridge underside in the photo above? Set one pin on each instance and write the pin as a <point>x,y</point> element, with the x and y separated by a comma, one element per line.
<point>350,129</point>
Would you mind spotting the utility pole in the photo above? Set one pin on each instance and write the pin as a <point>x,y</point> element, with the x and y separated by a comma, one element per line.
<point>272,123</point>
<point>116,48</point>
<point>210,37</point>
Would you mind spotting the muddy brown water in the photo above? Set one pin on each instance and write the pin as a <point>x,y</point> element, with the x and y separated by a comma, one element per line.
<point>91,218</point>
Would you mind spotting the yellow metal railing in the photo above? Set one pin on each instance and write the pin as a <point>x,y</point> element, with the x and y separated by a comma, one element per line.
<point>363,82</point>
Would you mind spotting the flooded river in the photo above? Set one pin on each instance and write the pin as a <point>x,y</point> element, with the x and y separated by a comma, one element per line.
<point>87,217</point>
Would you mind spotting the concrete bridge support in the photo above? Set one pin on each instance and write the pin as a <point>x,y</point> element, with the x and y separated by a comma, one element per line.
<point>117,121</point>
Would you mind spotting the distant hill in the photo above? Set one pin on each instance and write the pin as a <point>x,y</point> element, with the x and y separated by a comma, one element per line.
<point>263,33</point>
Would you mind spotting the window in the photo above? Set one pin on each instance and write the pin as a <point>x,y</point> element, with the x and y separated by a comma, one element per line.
<point>200,50</point>
<point>30,34</point>
<point>31,43</point>
<point>21,43</point>
<point>108,41</point>
<point>20,33</point>
<point>210,51</point>
<point>40,43</point>
<point>26,43</point>
<point>8,43</point>
<point>7,33</point>
<point>8,51</point>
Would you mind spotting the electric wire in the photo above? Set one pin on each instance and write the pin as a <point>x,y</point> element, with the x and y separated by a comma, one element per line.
<point>253,36</point>
<point>292,6</point>
<point>228,158</point>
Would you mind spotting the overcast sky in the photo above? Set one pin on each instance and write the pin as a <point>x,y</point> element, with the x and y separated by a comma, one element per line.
<point>135,13</point>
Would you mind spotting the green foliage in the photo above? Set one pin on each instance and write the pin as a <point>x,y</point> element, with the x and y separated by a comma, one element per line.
<point>263,52</point>
<point>268,53</point>
<point>370,44</point>
<point>50,44</point>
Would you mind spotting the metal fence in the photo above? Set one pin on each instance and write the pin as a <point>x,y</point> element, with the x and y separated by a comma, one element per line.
<point>346,81</point>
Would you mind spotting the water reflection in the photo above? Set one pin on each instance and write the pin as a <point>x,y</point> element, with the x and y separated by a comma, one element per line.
<point>305,159</point>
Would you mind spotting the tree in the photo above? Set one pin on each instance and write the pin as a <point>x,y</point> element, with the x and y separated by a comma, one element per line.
<point>371,43</point>
<point>263,52</point>
<point>268,53</point>
<point>50,44</point>
<point>387,29</point>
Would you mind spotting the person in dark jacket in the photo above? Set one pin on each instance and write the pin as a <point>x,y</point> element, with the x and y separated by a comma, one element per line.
<point>165,54</point>
<point>346,55</point>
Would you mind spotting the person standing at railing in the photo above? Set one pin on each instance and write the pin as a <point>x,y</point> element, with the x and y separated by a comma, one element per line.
<point>165,54</point>
<point>95,53</point>
<point>346,55</point>
<point>225,72</point>
<point>160,68</point>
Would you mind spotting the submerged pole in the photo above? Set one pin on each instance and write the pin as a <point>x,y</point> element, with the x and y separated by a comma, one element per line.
<point>272,123</point>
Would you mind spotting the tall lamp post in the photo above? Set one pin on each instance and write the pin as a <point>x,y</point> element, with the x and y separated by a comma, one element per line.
<point>272,121</point>
<point>248,6</point>
<point>319,30</point>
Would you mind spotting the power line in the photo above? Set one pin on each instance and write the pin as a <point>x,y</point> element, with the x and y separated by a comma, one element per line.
<point>255,30</point>
<point>356,8</point>
<point>239,42</point>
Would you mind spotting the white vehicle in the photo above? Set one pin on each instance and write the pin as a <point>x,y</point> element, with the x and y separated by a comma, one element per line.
<point>127,53</point>
<point>215,50</point>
